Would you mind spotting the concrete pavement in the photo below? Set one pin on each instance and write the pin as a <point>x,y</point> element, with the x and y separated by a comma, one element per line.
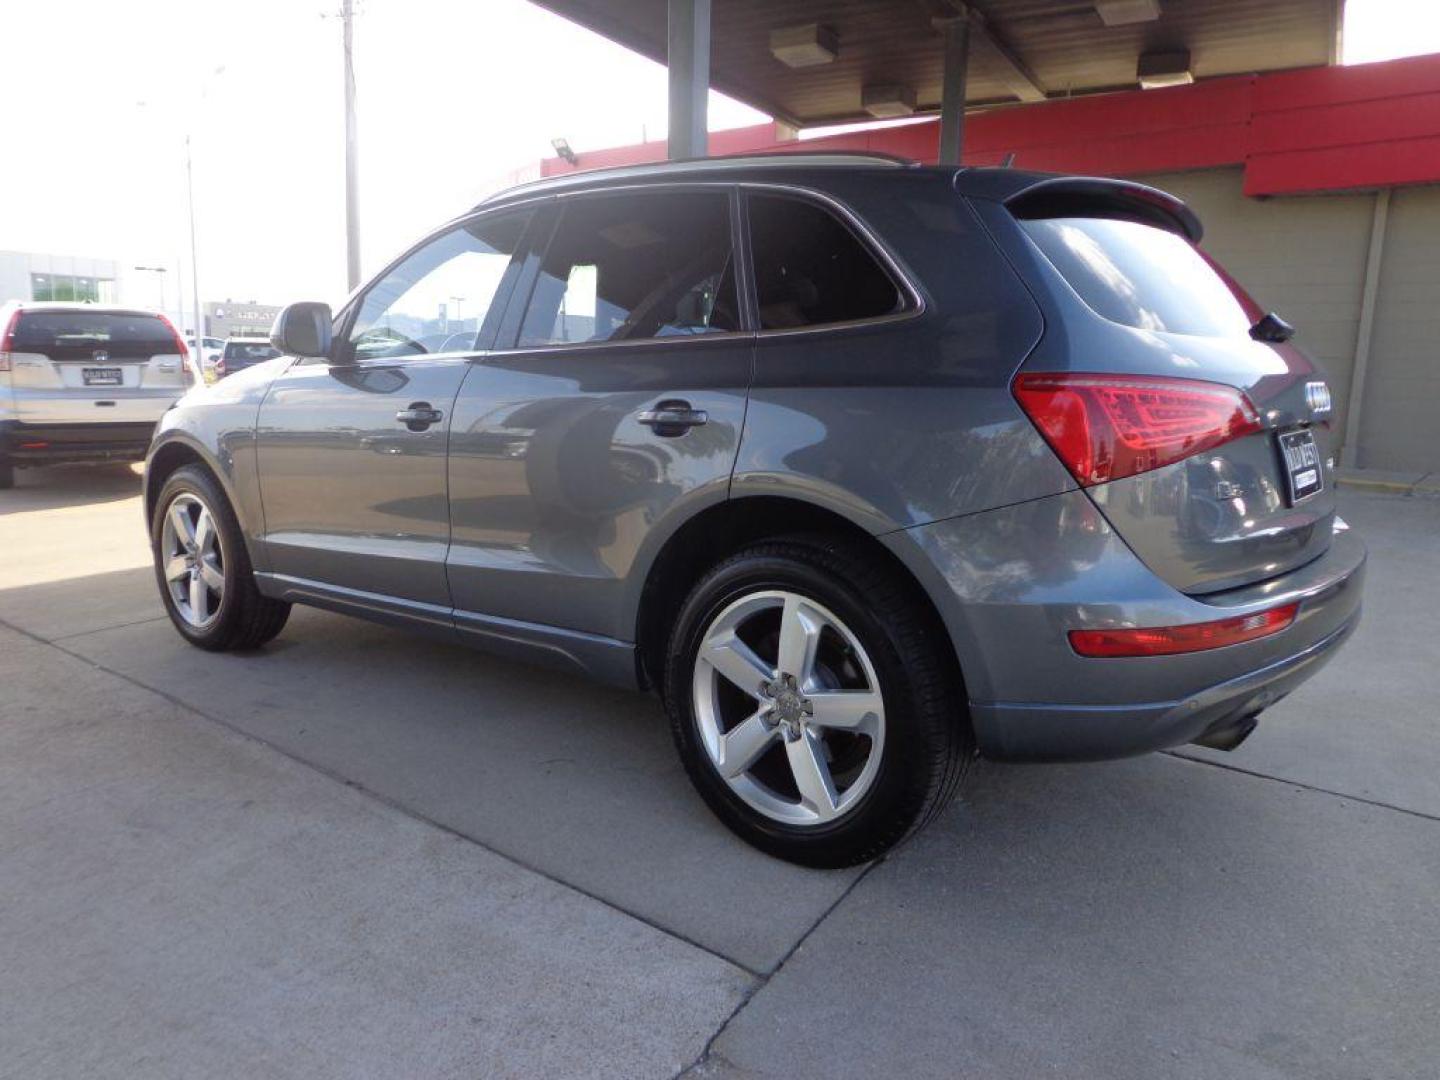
<point>219,864</point>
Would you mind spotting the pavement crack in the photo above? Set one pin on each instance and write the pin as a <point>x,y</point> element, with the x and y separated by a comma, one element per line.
<point>1421,814</point>
<point>762,981</point>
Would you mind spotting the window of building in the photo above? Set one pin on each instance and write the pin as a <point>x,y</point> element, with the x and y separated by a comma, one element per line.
<point>439,299</point>
<point>810,269</point>
<point>631,267</point>
<point>71,287</point>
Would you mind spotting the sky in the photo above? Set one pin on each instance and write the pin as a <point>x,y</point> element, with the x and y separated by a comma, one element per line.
<point>455,98</point>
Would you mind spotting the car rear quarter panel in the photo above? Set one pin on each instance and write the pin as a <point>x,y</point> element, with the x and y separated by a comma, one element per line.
<point>907,420</point>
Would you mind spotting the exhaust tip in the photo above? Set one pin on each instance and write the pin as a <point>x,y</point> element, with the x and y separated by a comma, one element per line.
<point>1227,734</point>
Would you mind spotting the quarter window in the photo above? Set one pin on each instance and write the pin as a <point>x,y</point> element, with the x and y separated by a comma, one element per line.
<point>630,267</point>
<point>810,269</point>
<point>440,298</point>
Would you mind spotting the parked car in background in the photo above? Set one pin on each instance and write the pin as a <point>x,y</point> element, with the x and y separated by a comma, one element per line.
<point>244,352</point>
<point>84,382</point>
<point>209,352</point>
<point>865,466</point>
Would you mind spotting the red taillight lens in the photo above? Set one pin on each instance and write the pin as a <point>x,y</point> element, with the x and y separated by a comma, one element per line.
<point>7,341</point>
<point>186,372</point>
<point>1104,427</point>
<point>1168,640</point>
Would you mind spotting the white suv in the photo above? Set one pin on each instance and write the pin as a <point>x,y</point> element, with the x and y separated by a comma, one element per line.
<point>84,382</point>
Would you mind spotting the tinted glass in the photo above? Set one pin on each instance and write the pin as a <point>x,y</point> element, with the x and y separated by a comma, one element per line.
<point>1140,275</point>
<point>249,352</point>
<point>628,267</point>
<point>77,334</point>
<point>438,299</point>
<point>810,269</point>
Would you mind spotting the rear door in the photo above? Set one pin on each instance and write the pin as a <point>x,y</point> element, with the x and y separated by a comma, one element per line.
<point>615,410</point>
<point>1167,332</point>
<point>79,366</point>
<point>351,449</point>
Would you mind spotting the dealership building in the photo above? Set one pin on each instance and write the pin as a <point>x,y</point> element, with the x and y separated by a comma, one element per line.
<point>1318,184</point>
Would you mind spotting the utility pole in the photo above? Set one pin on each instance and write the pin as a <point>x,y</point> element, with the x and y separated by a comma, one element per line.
<point>352,204</point>
<point>194,271</point>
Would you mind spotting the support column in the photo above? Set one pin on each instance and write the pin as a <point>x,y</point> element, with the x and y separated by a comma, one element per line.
<point>1350,453</point>
<point>952,93</point>
<point>688,65</point>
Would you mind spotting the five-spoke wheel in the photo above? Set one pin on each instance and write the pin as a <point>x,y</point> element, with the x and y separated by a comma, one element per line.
<point>789,707</point>
<point>193,564</point>
<point>814,705</point>
<point>203,567</point>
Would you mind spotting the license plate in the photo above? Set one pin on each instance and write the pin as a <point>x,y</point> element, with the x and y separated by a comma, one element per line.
<point>1302,464</point>
<point>102,376</point>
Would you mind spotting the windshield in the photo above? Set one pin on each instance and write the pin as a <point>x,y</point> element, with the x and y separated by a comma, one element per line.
<point>1139,275</point>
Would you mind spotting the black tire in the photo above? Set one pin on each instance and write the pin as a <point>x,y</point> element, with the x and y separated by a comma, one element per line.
<point>245,619</point>
<point>7,474</point>
<point>927,741</point>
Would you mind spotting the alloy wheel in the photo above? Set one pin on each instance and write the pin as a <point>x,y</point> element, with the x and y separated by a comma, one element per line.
<point>192,560</point>
<point>788,707</point>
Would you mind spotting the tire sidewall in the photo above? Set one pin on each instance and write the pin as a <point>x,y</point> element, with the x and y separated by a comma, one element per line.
<point>193,481</point>
<point>898,789</point>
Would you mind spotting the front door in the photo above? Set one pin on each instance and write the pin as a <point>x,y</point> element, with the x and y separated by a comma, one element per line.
<point>351,449</point>
<point>616,409</point>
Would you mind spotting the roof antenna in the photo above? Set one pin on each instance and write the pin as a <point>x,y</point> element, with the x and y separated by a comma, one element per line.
<point>1009,160</point>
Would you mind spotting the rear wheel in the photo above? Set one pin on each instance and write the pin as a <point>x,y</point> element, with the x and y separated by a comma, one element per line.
<point>812,704</point>
<point>203,569</point>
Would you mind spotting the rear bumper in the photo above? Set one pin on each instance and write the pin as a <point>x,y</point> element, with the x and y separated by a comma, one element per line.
<point>1039,732</point>
<point>1011,583</point>
<point>37,444</point>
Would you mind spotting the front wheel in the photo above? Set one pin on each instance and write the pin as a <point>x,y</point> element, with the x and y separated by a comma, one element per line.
<point>815,707</point>
<point>203,569</point>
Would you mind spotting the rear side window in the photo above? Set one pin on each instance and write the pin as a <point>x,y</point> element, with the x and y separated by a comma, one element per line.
<point>631,267</point>
<point>1139,275</point>
<point>810,269</point>
<point>76,335</point>
<point>250,351</point>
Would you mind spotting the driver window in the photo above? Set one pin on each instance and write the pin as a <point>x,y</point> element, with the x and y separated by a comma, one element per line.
<point>438,300</point>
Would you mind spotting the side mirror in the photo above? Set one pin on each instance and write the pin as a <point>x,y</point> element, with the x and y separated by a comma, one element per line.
<point>303,329</point>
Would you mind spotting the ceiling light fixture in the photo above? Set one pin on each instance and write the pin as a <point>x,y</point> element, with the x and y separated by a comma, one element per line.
<point>804,46</point>
<point>1126,12</point>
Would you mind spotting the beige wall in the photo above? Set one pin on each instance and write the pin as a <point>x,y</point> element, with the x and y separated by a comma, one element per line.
<point>1400,422</point>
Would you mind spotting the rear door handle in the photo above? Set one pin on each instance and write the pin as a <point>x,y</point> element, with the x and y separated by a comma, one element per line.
<point>419,416</point>
<point>671,418</point>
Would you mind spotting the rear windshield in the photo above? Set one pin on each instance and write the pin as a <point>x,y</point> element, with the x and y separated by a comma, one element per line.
<point>253,351</point>
<point>79,334</point>
<point>1139,275</point>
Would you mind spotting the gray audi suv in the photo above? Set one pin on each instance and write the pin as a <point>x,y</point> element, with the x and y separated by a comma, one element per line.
<point>865,467</point>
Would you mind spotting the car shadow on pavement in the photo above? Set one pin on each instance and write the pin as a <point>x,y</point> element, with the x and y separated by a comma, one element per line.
<point>53,486</point>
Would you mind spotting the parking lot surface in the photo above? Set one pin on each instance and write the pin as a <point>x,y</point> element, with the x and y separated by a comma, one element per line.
<point>358,852</point>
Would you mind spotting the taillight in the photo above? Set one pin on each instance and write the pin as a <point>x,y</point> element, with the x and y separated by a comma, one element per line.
<point>1194,637</point>
<point>7,340</point>
<point>186,373</point>
<point>1105,427</point>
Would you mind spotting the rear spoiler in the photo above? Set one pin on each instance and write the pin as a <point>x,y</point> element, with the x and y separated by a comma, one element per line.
<point>1087,196</point>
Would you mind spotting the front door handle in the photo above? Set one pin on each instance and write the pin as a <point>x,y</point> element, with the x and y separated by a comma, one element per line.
<point>671,418</point>
<point>419,416</point>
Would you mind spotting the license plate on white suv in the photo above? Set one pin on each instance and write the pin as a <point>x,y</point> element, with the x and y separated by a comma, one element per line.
<point>103,376</point>
<point>1302,464</point>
